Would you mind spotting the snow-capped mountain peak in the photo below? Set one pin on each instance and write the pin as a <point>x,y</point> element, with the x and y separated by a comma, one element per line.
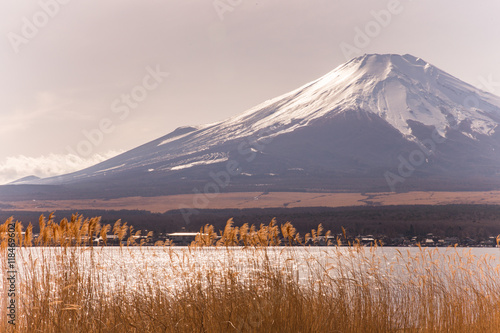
<point>394,87</point>
<point>334,125</point>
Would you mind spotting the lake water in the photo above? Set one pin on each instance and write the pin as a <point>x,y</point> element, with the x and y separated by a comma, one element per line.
<point>172,266</point>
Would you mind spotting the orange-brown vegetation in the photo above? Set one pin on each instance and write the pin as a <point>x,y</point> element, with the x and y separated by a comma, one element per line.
<point>262,200</point>
<point>65,285</point>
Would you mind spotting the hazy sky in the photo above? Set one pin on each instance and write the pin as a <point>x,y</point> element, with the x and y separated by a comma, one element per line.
<point>83,80</point>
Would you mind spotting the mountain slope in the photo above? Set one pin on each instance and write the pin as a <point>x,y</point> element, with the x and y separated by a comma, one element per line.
<point>372,123</point>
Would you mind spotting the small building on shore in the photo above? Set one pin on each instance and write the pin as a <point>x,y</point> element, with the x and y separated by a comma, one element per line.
<point>182,238</point>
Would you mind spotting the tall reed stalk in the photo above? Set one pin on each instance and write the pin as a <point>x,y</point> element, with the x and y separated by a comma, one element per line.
<point>67,284</point>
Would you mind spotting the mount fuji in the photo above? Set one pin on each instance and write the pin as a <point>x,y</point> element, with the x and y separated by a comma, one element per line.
<point>376,123</point>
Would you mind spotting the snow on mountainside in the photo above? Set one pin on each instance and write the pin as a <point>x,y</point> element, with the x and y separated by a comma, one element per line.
<point>397,88</point>
<point>380,91</point>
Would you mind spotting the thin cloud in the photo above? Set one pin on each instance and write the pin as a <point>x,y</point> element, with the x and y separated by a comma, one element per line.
<point>16,167</point>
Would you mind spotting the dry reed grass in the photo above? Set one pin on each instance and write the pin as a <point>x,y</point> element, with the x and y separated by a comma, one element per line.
<point>68,285</point>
